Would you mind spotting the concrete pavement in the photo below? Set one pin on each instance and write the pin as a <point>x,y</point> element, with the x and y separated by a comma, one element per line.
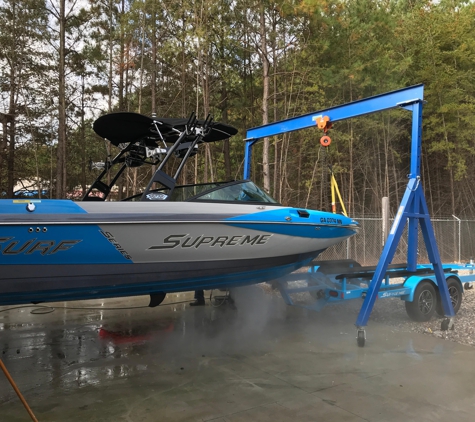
<point>259,361</point>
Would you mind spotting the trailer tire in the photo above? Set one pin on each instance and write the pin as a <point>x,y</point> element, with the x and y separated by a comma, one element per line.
<point>456,293</point>
<point>423,306</point>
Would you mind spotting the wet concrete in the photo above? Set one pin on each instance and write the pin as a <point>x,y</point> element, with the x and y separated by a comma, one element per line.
<point>260,361</point>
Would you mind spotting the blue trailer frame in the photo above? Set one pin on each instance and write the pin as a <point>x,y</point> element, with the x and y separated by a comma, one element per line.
<point>413,209</point>
<point>331,287</point>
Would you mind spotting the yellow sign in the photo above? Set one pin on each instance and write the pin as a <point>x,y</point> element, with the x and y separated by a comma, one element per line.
<point>26,201</point>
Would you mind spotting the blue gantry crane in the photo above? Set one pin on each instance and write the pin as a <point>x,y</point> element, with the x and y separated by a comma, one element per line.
<point>412,211</point>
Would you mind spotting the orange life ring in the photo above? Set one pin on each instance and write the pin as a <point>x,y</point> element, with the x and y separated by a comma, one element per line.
<point>325,141</point>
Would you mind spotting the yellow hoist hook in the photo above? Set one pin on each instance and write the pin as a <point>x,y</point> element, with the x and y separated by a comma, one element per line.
<point>323,122</point>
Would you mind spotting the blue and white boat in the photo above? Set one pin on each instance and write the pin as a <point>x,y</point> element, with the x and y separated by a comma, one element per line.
<point>169,238</point>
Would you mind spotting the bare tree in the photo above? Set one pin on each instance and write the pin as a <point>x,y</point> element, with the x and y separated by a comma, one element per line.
<point>265,93</point>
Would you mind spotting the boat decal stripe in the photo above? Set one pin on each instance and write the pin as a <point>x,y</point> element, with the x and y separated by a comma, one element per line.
<point>297,230</point>
<point>288,221</point>
<point>60,244</point>
<point>43,207</point>
<point>103,218</point>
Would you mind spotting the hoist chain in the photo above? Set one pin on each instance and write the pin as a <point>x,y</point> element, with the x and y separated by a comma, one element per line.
<point>325,202</point>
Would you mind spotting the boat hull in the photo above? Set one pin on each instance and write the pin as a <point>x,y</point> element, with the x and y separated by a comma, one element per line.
<point>65,250</point>
<point>56,283</point>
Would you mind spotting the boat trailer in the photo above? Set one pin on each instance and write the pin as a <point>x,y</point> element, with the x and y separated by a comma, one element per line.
<point>421,283</point>
<point>333,282</point>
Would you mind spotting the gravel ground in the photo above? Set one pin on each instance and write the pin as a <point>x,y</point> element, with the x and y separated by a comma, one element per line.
<point>392,312</point>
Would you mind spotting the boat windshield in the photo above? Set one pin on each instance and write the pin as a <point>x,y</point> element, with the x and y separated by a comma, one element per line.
<point>185,192</point>
<point>235,191</point>
<point>243,191</point>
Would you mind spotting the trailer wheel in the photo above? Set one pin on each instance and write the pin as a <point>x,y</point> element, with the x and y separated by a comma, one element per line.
<point>423,306</point>
<point>456,293</point>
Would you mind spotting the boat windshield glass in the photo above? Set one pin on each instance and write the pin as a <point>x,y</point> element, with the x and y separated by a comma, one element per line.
<point>185,192</point>
<point>241,191</point>
<point>244,191</point>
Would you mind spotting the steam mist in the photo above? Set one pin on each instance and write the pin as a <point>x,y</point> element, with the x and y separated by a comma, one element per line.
<point>237,326</point>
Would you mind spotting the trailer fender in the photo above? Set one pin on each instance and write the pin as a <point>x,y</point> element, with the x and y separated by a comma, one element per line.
<point>412,282</point>
<point>451,276</point>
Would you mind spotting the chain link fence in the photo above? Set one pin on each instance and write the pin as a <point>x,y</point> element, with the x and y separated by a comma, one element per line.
<point>455,240</point>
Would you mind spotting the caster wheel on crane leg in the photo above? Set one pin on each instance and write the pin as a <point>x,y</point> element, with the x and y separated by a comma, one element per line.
<point>447,324</point>
<point>361,338</point>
